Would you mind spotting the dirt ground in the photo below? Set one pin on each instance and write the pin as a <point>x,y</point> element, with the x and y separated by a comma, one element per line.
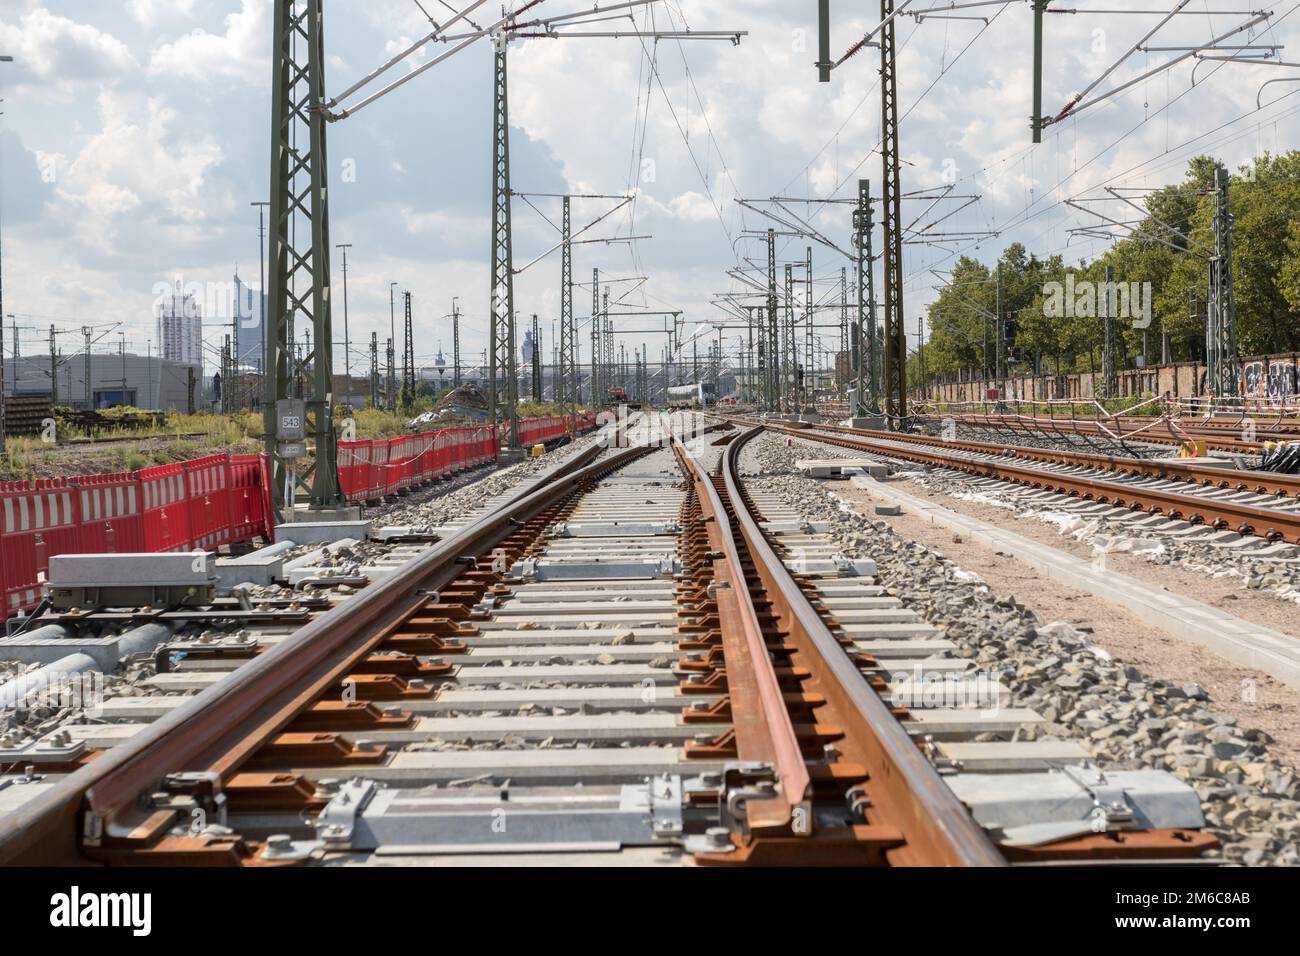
<point>1254,698</point>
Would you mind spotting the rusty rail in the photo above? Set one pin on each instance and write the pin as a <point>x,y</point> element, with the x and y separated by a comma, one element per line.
<point>1217,437</point>
<point>219,728</point>
<point>1262,482</point>
<point>764,731</point>
<point>907,793</point>
<point>1273,524</point>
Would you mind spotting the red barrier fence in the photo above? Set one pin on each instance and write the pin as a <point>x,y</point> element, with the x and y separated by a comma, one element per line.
<point>185,506</point>
<point>202,504</point>
<point>380,467</point>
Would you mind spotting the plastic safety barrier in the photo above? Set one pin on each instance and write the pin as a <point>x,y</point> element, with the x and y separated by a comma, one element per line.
<point>378,468</point>
<point>199,504</point>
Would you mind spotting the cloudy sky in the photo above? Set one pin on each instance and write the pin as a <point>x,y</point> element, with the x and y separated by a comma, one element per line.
<point>136,133</point>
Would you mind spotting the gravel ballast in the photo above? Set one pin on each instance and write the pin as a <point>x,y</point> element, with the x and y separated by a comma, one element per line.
<point>1127,719</point>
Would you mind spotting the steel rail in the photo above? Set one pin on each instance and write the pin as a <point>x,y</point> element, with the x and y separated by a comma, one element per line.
<point>225,723</point>
<point>760,718</point>
<point>905,789</point>
<point>1262,482</point>
<point>1213,435</point>
<point>1273,524</point>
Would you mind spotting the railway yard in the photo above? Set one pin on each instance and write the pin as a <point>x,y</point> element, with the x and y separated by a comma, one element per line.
<point>690,641</point>
<point>764,456</point>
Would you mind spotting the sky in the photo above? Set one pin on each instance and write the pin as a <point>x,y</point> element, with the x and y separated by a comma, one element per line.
<point>136,133</point>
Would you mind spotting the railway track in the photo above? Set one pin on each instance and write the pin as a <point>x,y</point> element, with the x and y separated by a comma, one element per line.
<point>1243,436</point>
<point>634,659</point>
<point>1249,503</point>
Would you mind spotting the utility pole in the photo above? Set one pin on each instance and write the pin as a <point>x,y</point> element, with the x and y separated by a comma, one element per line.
<point>567,373</point>
<point>501,349</point>
<point>85,332</point>
<point>747,394</point>
<point>892,222</point>
<point>374,369</point>
<point>3,432</point>
<point>1110,346</point>
<point>595,337</point>
<point>408,356</point>
<point>774,355</point>
<point>1221,309</point>
<point>607,340</point>
<point>865,355</point>
<point>537,360</point>
<point>997,323</point>
<point>54,369</point>
<point>789,347</point>
<point>347,340</point>
<point>392,338</point>
<point>455,342</point>
<point>1038,121</point>
<point>809,340</point>
<point>920,348</point>
<point>224,374</point>
<point>300,279</point>
<point>841,380</point>
<point>392,375</point>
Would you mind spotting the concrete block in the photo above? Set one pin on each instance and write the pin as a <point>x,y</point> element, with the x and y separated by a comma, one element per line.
<point>322,532</point>
<point>872,472</point>
<point>832,467</point>
<point>37,650</point>
<point>249,569</point>
<point>889,511</point>
<point>875,423</point>
<point>305,514</point>
<point>132,570</point>
<point>1226,464</point>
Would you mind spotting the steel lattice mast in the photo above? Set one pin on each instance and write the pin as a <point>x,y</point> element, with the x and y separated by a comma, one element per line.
<point>809,337</point>
<point>774,357</point>
<point>789,347</point>
<point>300,276</point>
<point>892,221</point>
<point>1221,309</point>
<point>568,370</point>
<point>595,337</point>
<point>501,315</point>
<point>866,361</point>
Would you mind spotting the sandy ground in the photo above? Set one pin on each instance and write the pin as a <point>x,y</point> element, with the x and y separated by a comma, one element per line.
<point>1254,698</point>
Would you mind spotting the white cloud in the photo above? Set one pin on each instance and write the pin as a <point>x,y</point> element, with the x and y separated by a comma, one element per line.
<point>242,52</point>
<point>141,162</point>
<point>57,50</point>
<point>148,12</point>
<point>692,206</point>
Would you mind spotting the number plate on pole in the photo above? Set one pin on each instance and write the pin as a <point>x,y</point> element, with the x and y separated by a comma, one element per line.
<point>291,420</point>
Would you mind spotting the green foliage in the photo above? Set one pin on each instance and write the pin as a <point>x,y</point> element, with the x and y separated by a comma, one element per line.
<point>1265,203</point>
<point>379,423</point>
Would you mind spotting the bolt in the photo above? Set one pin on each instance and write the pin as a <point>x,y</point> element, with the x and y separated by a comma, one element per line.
<point>718,837</point>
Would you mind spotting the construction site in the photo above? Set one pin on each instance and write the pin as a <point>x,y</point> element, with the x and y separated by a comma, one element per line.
<point>651,434</point>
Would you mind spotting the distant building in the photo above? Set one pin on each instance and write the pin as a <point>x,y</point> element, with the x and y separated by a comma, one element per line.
<point>180,329</point>
<point>249,311</point>
<point>115,379</point>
